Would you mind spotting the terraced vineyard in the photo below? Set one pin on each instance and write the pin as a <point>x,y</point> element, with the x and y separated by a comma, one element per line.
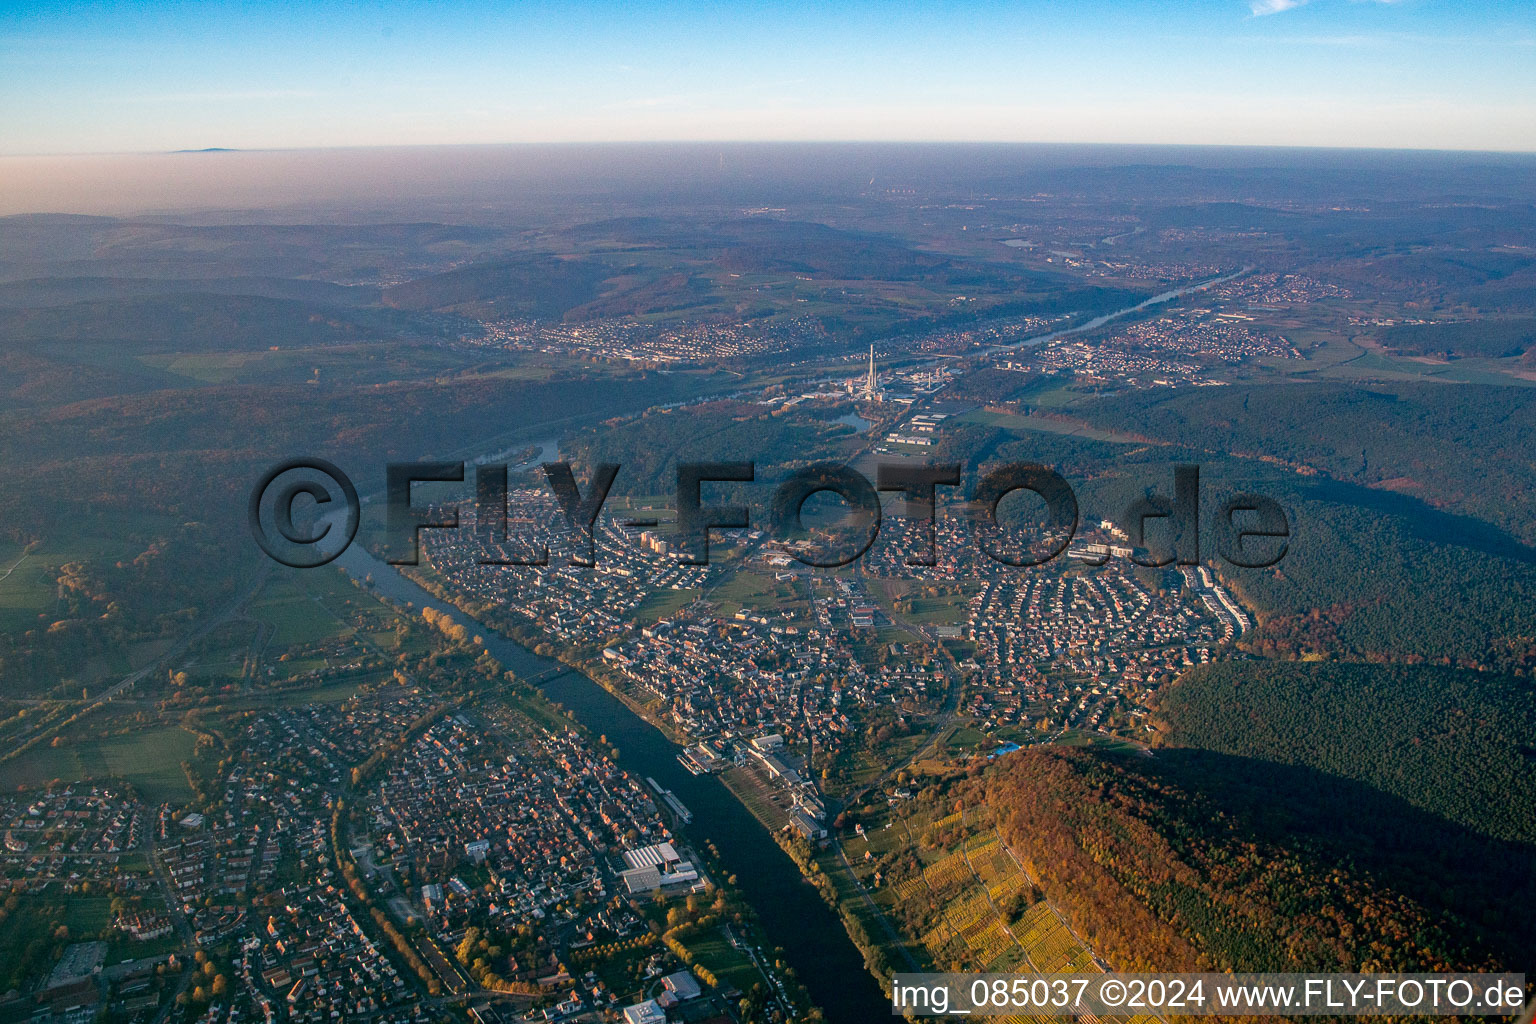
<point>974,899</point>
<point>979,912</point>
<point>963,900</point>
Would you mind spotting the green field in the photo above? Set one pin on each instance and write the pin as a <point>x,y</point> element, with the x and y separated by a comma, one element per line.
<point>940,611</point>
<point>962,739</point>
<point>1075,738</point>
<point>87,916</point>
<point>29,577</point>
<point>223,653</point>
<point>757,592</point>
<point>295,618</point>
<point>27,588</point>
<point>731,968</point>
<point>150,759</point>
<point>895,635</point>
<point>329,693</point>
<point>662,603</point>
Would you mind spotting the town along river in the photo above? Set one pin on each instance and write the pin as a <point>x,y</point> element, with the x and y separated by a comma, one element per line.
<point>792,913</point>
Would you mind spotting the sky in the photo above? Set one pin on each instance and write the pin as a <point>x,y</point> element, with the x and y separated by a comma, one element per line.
<point>156,75</point>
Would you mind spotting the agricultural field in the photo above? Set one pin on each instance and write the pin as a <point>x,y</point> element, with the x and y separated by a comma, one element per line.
<point>303,639</point>
<point>714,952</point>
<point>148,759</point>
<point>27,585</point>
<point>663,603</point>
<point>294,617</point>
<point>759,593</point>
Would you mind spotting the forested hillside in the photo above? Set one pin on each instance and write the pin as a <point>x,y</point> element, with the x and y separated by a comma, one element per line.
<point>1191,859</point>
<point>1456,447</point>
<point>1374,576</point>
<point>650,447</point>
<point>1454,339</point>
<point>204,323</point>
<point>1456,743</point>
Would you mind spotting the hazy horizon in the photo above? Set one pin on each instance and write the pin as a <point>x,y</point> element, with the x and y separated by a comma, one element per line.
<point>359,182</point>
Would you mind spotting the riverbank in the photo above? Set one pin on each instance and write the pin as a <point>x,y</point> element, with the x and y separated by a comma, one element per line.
<point>592,668</point>
<point>827,870</point>
<point>816,943</point>
<point>833,880</point>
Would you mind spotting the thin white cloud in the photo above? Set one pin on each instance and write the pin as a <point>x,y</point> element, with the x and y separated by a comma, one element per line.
<point>221,97</point>
<point>651,102</point>
<point>1321,40</point>
<point>1262,7</point>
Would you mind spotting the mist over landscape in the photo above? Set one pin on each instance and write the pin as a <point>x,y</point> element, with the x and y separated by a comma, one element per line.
<point>491,181</point>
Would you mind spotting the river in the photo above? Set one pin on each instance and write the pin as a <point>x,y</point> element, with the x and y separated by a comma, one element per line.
<point>792,912</point>
<point>1100,321</point>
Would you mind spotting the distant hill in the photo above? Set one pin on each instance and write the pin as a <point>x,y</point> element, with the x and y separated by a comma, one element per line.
<point>762,245</point>
<point>63,291</point>
<point>1495,281</point>
<point>202,322</point>
<point>1490,339</point>
<point>1455,446</point>
<point>532,286</point>
<point>39,246</point>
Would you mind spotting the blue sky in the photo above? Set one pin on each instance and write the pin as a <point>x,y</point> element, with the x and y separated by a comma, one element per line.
<point>152,76</point>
